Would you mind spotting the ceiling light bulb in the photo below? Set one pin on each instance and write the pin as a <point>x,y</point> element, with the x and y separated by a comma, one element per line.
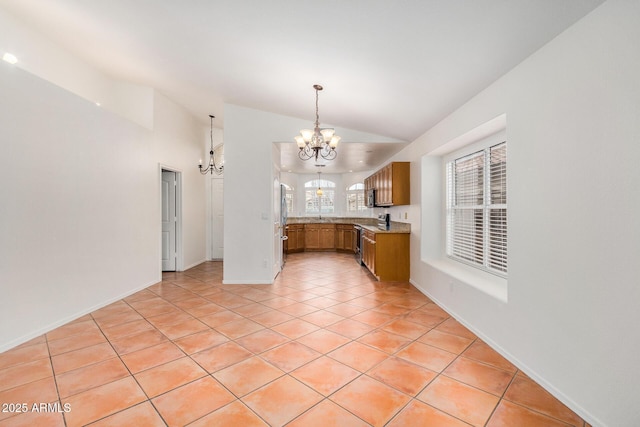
<point>327,134</point>
<point>307,134</point>
<point>10,58</point>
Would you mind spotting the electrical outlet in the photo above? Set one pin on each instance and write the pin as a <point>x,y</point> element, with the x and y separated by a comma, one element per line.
<point>406,215</point>
<point>264,263</point>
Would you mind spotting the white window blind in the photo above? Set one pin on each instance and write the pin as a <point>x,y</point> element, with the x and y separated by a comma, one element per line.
<point>477,209</point>
<point>319,204</point>
<point>355,198</point>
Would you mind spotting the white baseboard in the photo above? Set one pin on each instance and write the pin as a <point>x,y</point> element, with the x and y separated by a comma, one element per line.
<point>195,264</point>
<point>247,282</point>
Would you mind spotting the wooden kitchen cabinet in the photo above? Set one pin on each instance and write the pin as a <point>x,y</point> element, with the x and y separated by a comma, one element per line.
<point>386,255</point>
<point>369,250</point>
<point>345,236</point>
<point>320,237</point>
<point>392,184</point>
<point>311,236</point>
<point>328,237</point>
<point>295,238</point>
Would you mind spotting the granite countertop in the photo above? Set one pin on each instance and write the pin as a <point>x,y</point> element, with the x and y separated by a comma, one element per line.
<point>331,220</point>
<point>396,227</point>
<point>370,224</point>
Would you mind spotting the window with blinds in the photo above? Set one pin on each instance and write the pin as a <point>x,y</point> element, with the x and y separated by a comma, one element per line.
<point>477,209</point>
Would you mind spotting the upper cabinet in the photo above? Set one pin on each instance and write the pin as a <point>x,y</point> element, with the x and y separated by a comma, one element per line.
<point>391,184</point>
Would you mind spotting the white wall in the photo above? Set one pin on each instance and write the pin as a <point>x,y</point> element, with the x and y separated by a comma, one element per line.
<point>43,58</point>
<point>80,212</point>
<point>573,130</point>
<point>248,193</point>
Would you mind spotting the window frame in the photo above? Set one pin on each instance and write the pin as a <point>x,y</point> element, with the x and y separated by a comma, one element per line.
<point>494,234</point>
<point>360,197</point>
<point>329,188</point>
<point>289,198</point>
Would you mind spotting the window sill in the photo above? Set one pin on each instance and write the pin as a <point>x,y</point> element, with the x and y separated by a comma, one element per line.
<point>487,283</point>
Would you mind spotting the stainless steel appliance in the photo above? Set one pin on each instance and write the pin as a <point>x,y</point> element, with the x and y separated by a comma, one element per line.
<point>371,198</point>
<point>359,236</point>
<point>384,221</point>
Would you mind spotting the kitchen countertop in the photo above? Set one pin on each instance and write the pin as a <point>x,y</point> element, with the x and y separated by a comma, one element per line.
<point>370,224</point>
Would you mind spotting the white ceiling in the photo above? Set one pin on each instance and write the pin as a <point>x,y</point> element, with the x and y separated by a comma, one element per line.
<point>390,68</point>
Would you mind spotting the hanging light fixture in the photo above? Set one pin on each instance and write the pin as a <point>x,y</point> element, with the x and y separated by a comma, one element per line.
<point>319,190</point>
<point>216,157</point>
<point>317,142</point>
<point>319,194</point>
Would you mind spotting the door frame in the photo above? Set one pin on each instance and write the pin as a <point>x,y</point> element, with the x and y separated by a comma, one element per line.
<point>179,247</point>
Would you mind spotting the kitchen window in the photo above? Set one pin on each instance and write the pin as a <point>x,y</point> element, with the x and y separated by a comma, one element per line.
<point>316,204</point>
<point>476,224</point>
<point>288,197</point>
<point>355,198</point>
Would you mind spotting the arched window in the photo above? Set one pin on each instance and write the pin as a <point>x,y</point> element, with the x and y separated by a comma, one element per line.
<point>355,198</point>
<point>319,203</point>
<point>288,197</point>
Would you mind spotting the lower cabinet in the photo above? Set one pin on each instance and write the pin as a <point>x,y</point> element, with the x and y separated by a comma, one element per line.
<point>369,250</point>
<point>295,238</point>
<point>320,237</point>
<point>386,255</point>
<point>345,236</point>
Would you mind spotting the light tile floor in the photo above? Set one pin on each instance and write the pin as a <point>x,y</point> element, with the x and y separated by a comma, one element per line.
<point>324,346</point>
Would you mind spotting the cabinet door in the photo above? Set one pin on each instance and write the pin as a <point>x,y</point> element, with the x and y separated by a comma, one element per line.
<point>285,243</point>
<point>369,251</point>
<point>372,261</point>
<point>347,240</point>
<point>328,238</point>
<point>340,239</point>
<point>300,239</point>
<point>312,237</point>
<point>295,241</point>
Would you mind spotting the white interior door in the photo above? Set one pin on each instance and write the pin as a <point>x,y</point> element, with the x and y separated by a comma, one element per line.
<point>169,221</point>
<point>217,218</point>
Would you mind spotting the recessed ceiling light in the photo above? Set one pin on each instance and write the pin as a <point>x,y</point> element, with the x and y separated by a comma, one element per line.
<point>10,58</point>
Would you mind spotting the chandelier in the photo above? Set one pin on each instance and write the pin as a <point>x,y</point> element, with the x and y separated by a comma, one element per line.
<point>216,157</point>
<point>317,142</point>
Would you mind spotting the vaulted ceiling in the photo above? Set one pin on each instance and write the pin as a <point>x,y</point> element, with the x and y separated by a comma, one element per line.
<point>390,68</point>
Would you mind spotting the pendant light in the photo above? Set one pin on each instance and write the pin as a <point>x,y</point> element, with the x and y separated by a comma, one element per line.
<point>319,190</point>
